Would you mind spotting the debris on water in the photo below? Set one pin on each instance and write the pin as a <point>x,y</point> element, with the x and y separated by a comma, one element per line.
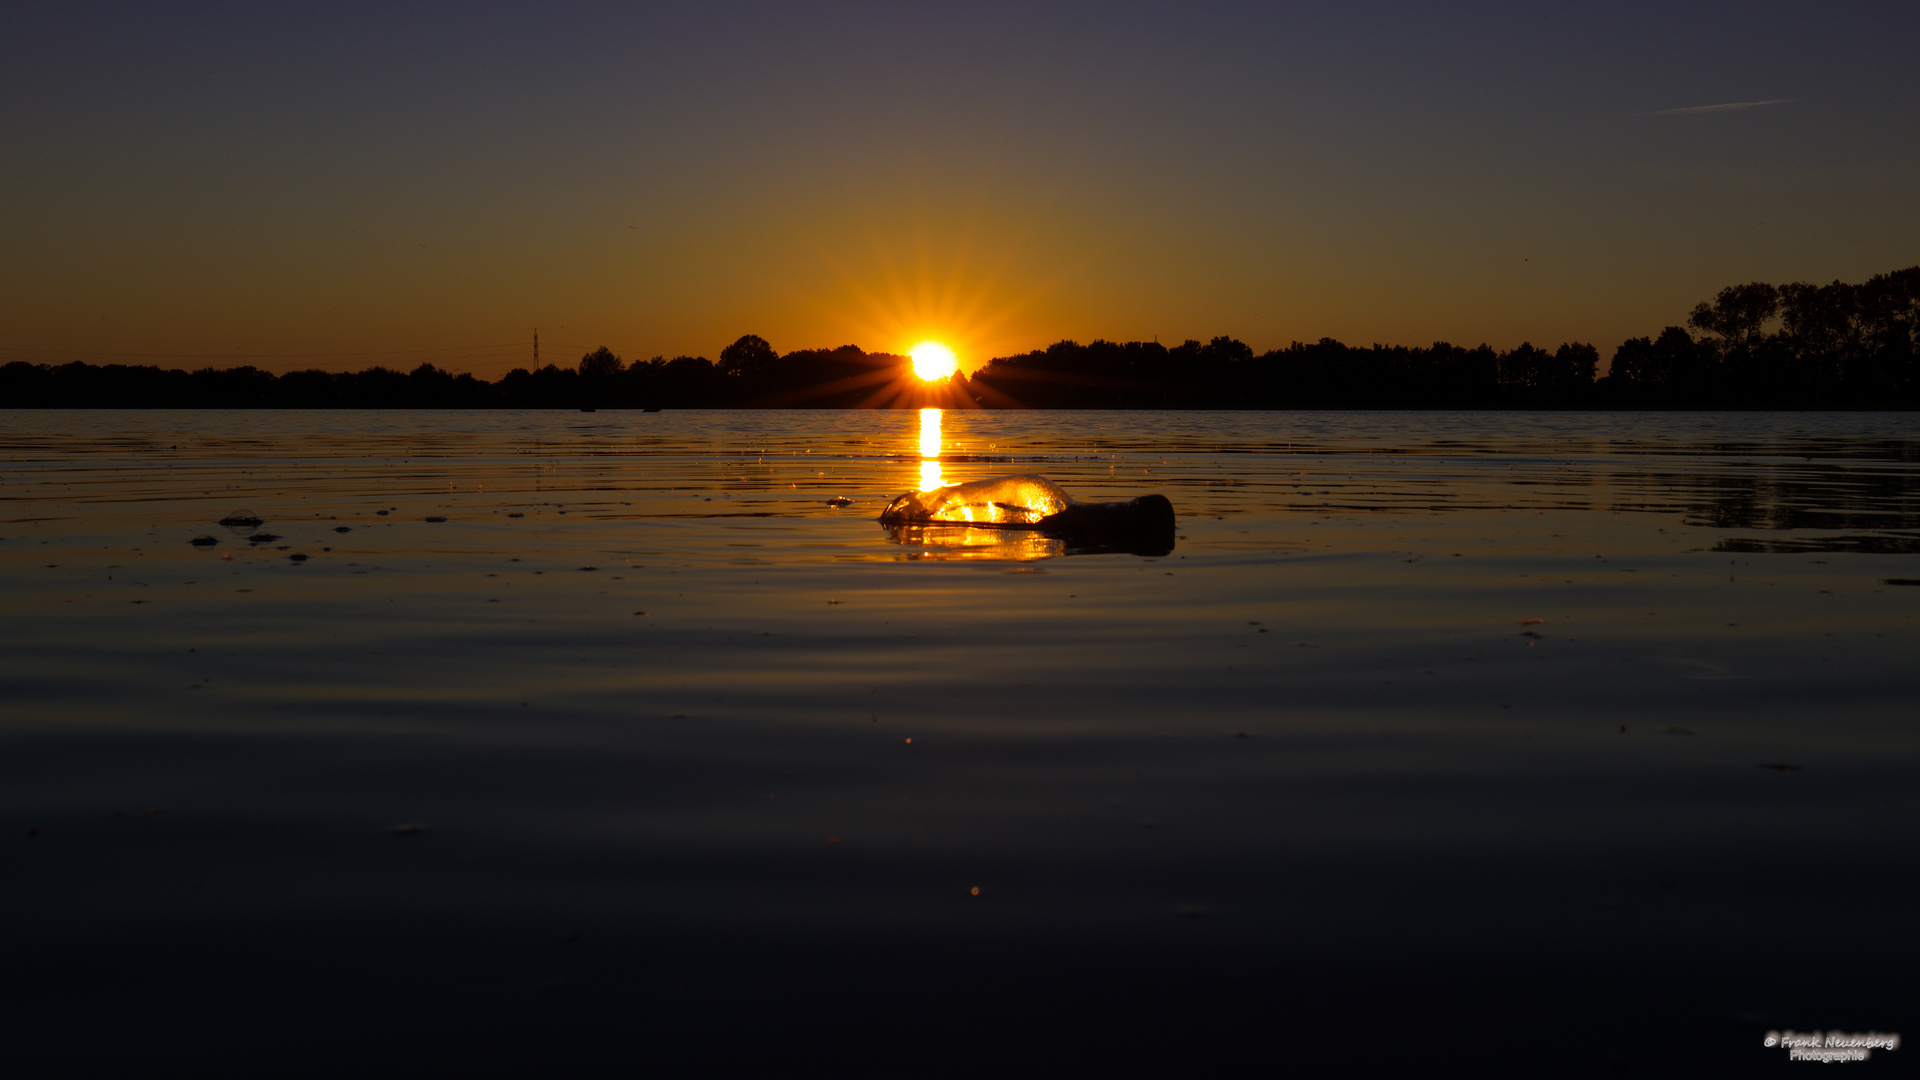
<point>1143,526</point>
<point>589,568</point>
<point>839,500</point>
<point>1779,766</point>
<point>516,514</point>
<point>262,538</point>
<point>203,541</point>
<point>1536,635</point>
<point>242,519</point>
<point>382,513</point>
<point>297,557</point>
<point>1531,622</point>
<point>343,528</point>
<point>1026,499</point>
<point>436,518</point>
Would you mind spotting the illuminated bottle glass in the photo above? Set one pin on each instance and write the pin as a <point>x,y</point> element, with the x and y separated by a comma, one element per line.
<point>1144,525</point>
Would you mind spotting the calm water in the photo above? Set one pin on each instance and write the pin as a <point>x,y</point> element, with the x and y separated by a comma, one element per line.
<point>1589,739</point>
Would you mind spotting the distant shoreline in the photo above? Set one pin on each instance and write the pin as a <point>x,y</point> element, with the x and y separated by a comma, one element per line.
<point>1045,408</point>
<point>1836,347</point>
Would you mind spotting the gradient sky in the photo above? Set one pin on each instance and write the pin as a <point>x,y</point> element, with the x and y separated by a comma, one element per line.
<point>346,184</point>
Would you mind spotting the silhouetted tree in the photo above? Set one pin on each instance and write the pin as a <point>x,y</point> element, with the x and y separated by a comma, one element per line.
<point>689,382</point>
<point>748,358</point>
<point>1737,314</point>
<point>1672,369</point>
<point>1570,376</point>
<point>1524,368</point>
<point>602,364</point>
<point>1889,314</point>
<point>600,372</point>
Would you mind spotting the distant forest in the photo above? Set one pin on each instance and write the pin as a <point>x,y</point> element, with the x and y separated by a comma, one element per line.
<point>1797,346</point>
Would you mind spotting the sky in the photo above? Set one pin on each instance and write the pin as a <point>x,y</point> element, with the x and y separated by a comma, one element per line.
<point>339,185</point>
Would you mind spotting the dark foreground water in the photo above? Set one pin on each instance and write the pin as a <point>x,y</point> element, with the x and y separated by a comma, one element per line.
<point>601,745</point>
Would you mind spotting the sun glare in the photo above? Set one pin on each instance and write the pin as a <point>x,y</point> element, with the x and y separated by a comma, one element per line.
<point>933,361</point>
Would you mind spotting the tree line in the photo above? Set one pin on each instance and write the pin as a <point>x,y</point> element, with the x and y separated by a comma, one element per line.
<point>1752,346</point>
<point>749,373</point>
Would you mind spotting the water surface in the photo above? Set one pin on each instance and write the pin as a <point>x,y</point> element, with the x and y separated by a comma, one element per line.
<point>603,742</point>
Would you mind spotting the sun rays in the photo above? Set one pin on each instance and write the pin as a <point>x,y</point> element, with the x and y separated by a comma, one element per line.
<point>927,278</point>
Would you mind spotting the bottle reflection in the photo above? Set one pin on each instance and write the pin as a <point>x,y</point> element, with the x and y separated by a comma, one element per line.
<point>952,543</point>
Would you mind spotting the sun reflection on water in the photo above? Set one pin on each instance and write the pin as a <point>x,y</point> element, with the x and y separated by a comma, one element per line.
<point>930,450</point>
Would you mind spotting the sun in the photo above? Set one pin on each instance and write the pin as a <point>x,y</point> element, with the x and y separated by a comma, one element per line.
<point>933,361</point>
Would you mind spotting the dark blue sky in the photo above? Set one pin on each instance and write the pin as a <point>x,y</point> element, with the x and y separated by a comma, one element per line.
<point>329,185</point>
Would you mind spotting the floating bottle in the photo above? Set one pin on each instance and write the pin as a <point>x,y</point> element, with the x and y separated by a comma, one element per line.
<point>1028,501</point>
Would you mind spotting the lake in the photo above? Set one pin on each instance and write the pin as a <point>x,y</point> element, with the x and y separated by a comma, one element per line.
<point>520,743</point>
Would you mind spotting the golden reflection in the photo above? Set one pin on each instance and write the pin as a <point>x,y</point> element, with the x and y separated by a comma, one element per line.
<point>929,433</point>
<point>944,543</point>
<point>930,450</point>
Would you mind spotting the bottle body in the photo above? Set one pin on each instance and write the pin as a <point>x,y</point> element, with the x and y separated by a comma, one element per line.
<point>1020,501</point>
<point>1143,526</point>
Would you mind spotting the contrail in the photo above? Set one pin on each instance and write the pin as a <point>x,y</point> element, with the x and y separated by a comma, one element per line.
<point>1731,106</point>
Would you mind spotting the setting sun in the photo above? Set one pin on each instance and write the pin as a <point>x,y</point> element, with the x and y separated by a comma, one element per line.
<point>933,361</point>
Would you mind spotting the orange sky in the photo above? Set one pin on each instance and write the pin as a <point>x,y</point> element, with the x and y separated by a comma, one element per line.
<point>395,186</point>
